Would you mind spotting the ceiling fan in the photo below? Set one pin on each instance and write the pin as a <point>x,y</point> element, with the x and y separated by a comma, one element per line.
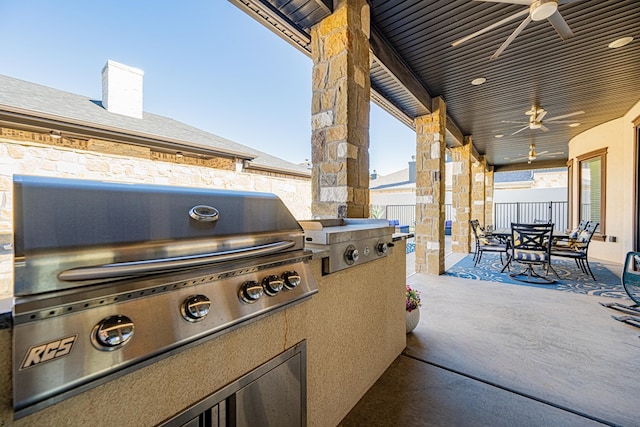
<point>536,114</point>
<point>538,10</point>
<point>533,155</point>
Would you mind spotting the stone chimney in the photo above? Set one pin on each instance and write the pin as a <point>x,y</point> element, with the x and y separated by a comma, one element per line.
<point>412,169</point>
<point>122,89</point>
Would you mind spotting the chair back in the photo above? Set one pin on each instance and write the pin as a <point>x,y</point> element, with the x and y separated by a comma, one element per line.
<point>584,237</point>
<point>531,242</point>
<point>475,227</point>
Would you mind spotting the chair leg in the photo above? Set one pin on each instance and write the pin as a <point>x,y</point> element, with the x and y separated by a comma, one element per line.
<point>586,263</point>
<point>478,259</point>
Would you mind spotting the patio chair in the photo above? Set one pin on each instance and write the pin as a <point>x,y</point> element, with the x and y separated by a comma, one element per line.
<point>572,236</point>
<point>531,246</point>
<point>578,248</point>
<point>486,243</point>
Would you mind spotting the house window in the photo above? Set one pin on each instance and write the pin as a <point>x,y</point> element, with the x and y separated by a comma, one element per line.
<point>592,170</point>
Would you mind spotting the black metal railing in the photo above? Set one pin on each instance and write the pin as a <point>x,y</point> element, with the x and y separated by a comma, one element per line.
<point>504,213</point>
<point>529,212</point>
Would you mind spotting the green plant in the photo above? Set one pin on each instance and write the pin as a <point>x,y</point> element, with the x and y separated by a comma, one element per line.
<point>412,297</point>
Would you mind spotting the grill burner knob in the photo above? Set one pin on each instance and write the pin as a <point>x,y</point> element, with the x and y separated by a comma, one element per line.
<point>112,332</point>
<point>195,308</point>
<point>250,291</point>
<point>381,248</point>
<point>291,279</point>
<point>351,255</point>
<point>272,285</point>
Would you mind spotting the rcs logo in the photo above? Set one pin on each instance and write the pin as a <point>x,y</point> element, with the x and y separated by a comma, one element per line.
<point>45,352</point>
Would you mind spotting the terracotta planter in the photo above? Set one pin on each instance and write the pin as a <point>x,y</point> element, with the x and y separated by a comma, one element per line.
<point>413,318</point>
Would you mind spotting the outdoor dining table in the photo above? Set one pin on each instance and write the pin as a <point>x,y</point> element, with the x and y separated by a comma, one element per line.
<point>505,233</point>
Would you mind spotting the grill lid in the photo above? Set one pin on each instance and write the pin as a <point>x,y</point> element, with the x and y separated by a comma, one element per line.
<point>70,233</point>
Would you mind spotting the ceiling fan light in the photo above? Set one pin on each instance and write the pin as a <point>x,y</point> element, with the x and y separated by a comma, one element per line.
<point>542,9</point>
<point>535,125</point>
<point>620,42</point>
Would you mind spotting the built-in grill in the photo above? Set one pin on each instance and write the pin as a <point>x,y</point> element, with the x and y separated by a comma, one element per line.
<point>350,241</point>
<point>110,277</point>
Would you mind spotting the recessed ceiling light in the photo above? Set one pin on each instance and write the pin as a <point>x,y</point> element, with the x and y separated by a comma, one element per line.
<point>620,42</point>
<point>574,125</point>
<point>478,81</point>
<point>55,134</point>
<point>499,135</point>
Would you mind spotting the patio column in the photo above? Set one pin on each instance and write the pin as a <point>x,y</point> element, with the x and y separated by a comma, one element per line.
<point>340,112</point>
<point>478,191</point>
<point>430,172</point>
<point>461,196</point>
<point>488,196</point>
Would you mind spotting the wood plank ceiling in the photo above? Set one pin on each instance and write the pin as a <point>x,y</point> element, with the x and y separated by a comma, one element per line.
<point>537,68</point>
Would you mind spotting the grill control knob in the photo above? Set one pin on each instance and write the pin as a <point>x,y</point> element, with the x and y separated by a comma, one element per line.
<point>381,248</point>
<point>195,308</point>
<point>112,333</point>
<point>250,291</point>
<point>272,285</point>
<point>351,255</point>
<point>291,279</point>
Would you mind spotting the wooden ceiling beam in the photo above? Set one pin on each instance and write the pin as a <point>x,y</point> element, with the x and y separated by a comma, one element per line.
<point>389,59</point>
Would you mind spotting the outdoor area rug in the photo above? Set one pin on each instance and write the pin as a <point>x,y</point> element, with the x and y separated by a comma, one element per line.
<point>572,279</point>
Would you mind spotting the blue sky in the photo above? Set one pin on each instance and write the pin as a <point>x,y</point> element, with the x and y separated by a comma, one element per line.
<point>206,63</point>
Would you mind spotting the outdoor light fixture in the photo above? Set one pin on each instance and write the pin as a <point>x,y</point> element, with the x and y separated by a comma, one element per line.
<point>55,134</point>
<point>620,42</point>
<point>499,135</point>
<point>532,152</point>
<point>179,155</point>
<point>478,81</point>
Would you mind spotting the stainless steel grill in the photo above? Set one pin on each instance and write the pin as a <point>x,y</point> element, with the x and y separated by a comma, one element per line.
<point>111,277</point>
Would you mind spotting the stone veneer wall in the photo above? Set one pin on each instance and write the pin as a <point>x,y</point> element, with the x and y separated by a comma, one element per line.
<point>340,112</point>
<point>28,153</point>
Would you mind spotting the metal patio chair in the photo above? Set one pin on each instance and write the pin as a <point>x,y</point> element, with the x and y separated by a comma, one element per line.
<point>531,246</point>
<point>487,243</point>
<point>577,249</point>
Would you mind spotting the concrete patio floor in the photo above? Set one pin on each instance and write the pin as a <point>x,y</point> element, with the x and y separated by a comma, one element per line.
<point>493,354</point>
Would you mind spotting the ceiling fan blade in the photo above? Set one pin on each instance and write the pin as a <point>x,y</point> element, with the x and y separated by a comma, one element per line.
<point>524,2</point>
<point>565,116</point>
<point>541,116</point>
<point>490,27</point>
<point>560,25</point>
<point>542,153</point>
<point>544,128</point>
<point>513,35</point>
<point>518,123</point>
<point>520,130</point>
<point>561,121</point>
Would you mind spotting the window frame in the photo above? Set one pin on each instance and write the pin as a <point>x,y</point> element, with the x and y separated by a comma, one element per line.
<point>602,154</point>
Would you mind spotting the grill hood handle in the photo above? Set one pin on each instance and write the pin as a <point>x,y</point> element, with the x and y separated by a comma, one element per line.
<point>136,268</point>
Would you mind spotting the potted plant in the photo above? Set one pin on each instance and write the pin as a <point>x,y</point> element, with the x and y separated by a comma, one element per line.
<point>412,298</point>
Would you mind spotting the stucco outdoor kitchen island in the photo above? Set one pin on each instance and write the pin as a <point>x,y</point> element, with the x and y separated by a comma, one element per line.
<point>354,328</point>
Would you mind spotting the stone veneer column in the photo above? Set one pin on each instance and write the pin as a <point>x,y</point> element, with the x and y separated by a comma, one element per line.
<point>488,196</point>
<point>340,112</point>
<point>430,172</point>
<point>478,191</point>
<point>461,197</point>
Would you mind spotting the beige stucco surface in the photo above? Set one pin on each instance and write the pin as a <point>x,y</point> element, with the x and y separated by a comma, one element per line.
<point>354,327</point>
<point>619,139</point>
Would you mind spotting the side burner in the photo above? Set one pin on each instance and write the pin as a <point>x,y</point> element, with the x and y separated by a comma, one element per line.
<point>351,241</point>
